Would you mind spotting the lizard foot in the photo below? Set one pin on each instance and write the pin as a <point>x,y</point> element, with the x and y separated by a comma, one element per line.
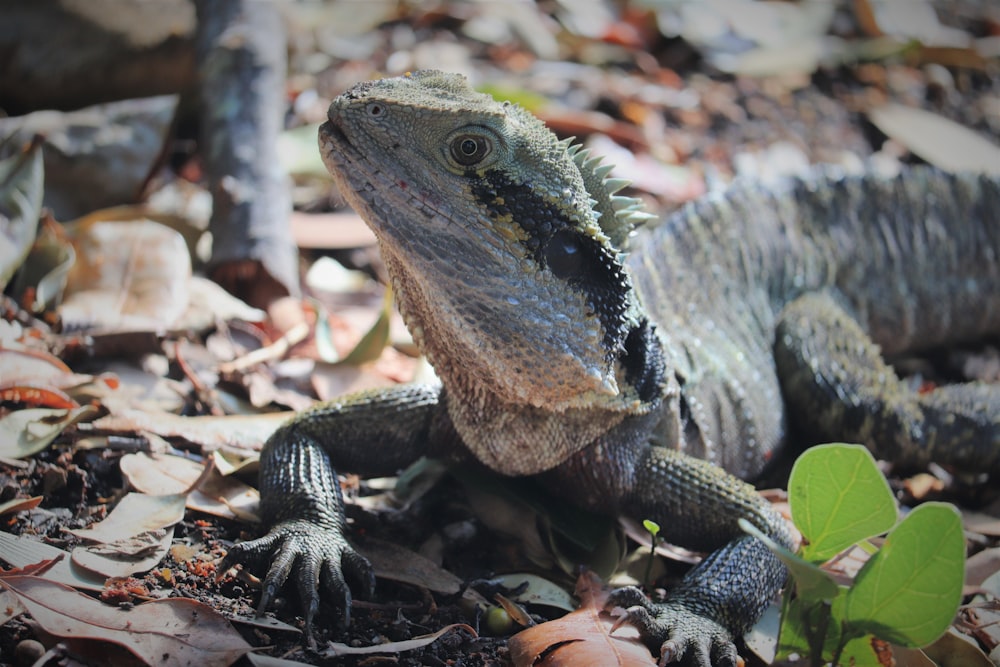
<point>320,556</point>
<point>682,635</point>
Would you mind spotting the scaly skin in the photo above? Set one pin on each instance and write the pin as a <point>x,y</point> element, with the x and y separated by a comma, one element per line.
<point>631,386</point>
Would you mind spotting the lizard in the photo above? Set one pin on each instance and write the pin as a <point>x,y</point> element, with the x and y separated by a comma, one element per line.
<point>651,380</point>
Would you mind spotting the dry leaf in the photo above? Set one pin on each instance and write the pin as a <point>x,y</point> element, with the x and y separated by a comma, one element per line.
<point>981,566</point>
<point>397,563</point>
<point>941,142</point>
<point>215,494</point>
<point>136,513</point>
<point>21,183</point>
<point>19,505</point>
<point>29,431</point>
<point>21,552</point>
<point>582,638</point>
<point>128,275</point>
<point>240,432</point>
<point>167,633</point>
<point>132,555</point>
<point>538,591</point>
<point>395,647</point>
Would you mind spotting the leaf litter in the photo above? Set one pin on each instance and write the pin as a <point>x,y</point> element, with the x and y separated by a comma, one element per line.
<point>791,99</point>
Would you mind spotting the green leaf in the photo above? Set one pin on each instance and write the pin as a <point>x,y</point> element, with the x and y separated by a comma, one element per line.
<point>838,497</point>
<point>370,347</point>
<point>908,592</point>
<point>21,183</point>
<point>811,583</point>
<point>803,620</point>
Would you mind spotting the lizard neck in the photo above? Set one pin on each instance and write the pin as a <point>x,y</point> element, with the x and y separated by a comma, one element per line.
<point>510,431</point>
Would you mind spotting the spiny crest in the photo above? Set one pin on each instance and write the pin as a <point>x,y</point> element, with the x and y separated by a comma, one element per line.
<point>619,215</point>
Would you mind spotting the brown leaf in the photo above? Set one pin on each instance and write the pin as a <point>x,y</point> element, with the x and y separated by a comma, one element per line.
<point>214,493</point>
<point>166,633</point>
<point>397,563</point>
<point>128,275</point>
<point>582,638</point>
<point>37,396</point>
<point>241,432</point>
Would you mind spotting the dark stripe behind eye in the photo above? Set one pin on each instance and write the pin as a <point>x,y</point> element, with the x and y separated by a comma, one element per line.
<point>557,245</point>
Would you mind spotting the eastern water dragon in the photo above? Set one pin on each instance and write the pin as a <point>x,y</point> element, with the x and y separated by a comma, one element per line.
<point>645,382</point>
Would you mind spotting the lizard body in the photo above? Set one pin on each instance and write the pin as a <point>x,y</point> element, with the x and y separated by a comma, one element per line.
<point>631,384</point>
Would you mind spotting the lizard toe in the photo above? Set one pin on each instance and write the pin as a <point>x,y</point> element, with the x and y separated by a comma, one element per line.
<point>360,570</point>
<point>678,633</point>
<point>316,558</point>
<point>336,588</point>
<point>626,597</point>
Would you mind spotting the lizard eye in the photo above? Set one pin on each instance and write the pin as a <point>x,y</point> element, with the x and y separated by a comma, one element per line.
<point>470,149</point>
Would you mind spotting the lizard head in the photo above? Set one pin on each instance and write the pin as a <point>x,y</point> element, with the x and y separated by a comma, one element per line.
<point>502,241</point>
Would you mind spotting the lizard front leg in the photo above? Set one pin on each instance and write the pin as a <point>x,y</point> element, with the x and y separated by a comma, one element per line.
<point>699,506</point>
<point>372,433</point>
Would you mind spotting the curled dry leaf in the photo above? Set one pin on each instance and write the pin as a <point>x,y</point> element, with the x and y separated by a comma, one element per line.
<point>166,633</point>
<point>29,431</point>
<point>19,505</point>
<point>136,513</point>
<point>126,557</point>
<point>582,638</point>
<point>132,538</point>
<point>215,494</point>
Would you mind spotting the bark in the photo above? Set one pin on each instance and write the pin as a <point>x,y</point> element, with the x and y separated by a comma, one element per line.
<point>240,46</point>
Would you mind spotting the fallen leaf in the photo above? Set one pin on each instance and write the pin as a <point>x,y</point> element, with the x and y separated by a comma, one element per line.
<point>397,563</point>
<point>209,303</point>
<point>128,275</point>
<point>582,638</point>
<point>37,396</point>
<point>22,552</point>
<point>9,606</point>
<point>395,647</point>
<point>981,566</point>
<point>537,591</point>
<point>984,524</point>
<point>19,505</point>
<point>177,632</point>
<point>134,514</point>
<point>21,183</point>
<point>216,494</point>
<point>123,558</point>
<point>240,432</point>
<point>955,650</point>
<point>941,142</point>
<point>26,432</point>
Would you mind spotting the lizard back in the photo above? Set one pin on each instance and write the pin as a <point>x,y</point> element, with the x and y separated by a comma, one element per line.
<point>915,258</point>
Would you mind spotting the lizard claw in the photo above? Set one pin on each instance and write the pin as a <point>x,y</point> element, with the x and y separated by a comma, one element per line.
<point>680,634</point>
<point>319,556</point>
